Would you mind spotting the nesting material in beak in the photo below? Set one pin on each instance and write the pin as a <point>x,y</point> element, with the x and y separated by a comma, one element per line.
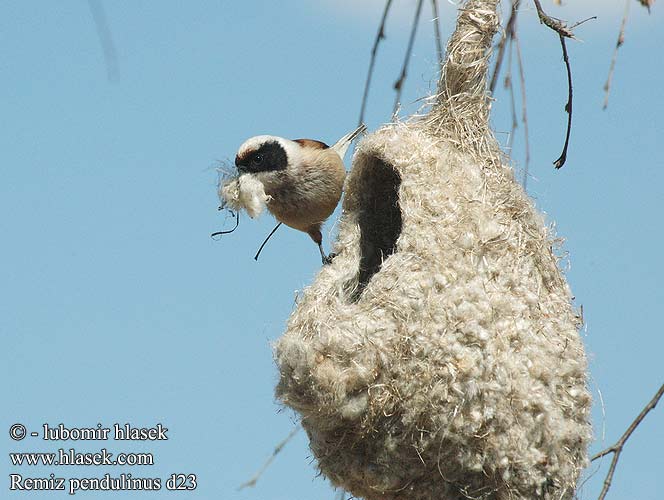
<point>246,193</point>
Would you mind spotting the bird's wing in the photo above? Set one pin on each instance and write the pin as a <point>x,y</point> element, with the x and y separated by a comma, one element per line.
<point>342,145</point>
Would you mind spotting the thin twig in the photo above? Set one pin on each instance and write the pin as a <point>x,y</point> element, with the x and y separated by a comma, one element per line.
<point>617,448</point>
<point>252,482</point>
<point>583,21</point>
<point>555,24</point>
<point>379,36</point>
<point>436,28</point>
<point>563,31</point>
<point>510,34</point>
<point>621,40</point>
<point>398,85</point>
<point>524,109</point>
<point>507,35</point>
<point>105,39</point>
<point>509,85</point>
<point>568,107</point>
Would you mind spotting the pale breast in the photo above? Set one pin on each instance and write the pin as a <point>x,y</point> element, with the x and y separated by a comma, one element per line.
<point>306,198</point>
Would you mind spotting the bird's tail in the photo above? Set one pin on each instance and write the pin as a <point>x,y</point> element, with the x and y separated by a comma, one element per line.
<point>342,145</point>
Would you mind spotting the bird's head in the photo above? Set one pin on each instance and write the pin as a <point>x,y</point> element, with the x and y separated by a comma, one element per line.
<point>263,153</point>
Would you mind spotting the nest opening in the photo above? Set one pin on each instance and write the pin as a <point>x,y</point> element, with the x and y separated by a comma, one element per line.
<point>379,218</point>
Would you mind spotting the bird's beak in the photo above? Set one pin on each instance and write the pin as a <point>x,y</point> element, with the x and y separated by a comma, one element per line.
<point>240,168</point>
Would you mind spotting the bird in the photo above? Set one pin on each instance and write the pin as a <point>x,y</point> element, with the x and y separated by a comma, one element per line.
<point>302,179</point>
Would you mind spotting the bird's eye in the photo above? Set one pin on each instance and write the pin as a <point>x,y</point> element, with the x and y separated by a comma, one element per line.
<point>257,159</point>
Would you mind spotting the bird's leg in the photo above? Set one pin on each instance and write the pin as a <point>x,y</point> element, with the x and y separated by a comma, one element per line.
<point>318,239</point>
<point>266,239</point>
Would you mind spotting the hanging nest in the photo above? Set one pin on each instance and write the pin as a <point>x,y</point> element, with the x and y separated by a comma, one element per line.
<point>438,356</point>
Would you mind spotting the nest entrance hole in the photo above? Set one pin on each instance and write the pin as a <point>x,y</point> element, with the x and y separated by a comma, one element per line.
<point>379,218</point>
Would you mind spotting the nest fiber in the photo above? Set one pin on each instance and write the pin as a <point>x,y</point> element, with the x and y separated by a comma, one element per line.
<point>244,192</point>
<point>438,356</point>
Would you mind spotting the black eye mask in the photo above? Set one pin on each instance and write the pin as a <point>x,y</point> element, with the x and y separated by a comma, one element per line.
<point>269,157</point>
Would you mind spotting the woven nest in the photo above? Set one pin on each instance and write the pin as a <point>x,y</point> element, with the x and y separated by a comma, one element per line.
<point>438,356</point>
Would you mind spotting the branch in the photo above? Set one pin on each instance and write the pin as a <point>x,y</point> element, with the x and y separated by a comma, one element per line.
<point>436,28</point>
<point>509,85</point>
<point>508,34</point>
<point>555,24</point>
<point>621,40</point>
<point>617,448</point>
<point>568,107</point>
<point>398,85</point>
<point>105,39</point>
<point>252,482</point>
<point>563,31</point>
<point>379,36</point>
<point>524,110</point>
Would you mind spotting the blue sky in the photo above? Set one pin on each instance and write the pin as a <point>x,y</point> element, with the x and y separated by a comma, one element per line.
<point>116,304</point>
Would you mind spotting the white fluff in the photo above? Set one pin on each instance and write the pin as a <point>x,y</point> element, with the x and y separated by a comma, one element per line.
<point>246,193</point>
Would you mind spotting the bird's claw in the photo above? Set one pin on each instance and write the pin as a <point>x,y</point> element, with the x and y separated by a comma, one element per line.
<point>327,259</point>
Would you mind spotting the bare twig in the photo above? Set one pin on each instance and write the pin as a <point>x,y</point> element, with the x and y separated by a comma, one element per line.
<point>436,28</point>
<point>509,85</point>
<point>379,36</point>
<point>398,85</point>
<point>621,40</point>
<point>105,39</point>
<point>507,35</point>
<point>563,31</point>
<point>583,21</point>
<point>568,107</point>
<point>617,448</point>
<point>510,35</point>
<point>252,482</point>
<point>524,110</point>
<point>555,24</point>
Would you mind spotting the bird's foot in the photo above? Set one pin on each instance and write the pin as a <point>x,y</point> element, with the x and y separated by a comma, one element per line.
<point>327,259</point>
